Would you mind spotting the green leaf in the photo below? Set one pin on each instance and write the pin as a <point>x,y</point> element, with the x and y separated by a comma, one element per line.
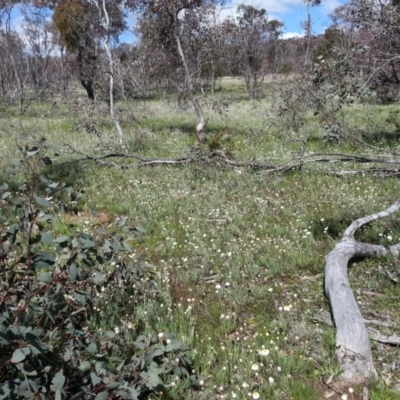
<point>5,389</point>
<point>47,238</point>
<point>45,277</point>
<point>140,229</point>
<point>20,355</point>
<point>85,366</point>
<point>16,162</point>
<point>100,367</point>
<point>73,272</point>
<point>101,396</point>
<point>4,339</point>
<point>12,233</point>
<point>99,278</point>
<point>92,348</point>
<point>57,382</point>
<point>43,259</point>
<point>5,195</point>
<point>95,379</point>
<point>78,396</point>
<point>86,243</point>
<point>113,385</point>
<point>152,381</point>
<point>62,241</point>
<point>42,202</point>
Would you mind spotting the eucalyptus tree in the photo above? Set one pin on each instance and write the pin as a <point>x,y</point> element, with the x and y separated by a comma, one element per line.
<point>250,37</point>
<point>373,28</point>
<point>177,27</point>
<point>81,26</point>
<point>14,66</point>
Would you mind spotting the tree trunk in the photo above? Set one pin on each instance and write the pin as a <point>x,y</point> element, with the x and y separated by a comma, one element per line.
<point>352,342</point>
<point>202,122</point>
<point>88,86</point>
<point>121,135</point>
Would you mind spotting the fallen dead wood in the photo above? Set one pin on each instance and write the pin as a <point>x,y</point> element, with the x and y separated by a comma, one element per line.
<point>386,339</point>
<point>297,163</point>
<point>352,339</point>
<point>325,318</point>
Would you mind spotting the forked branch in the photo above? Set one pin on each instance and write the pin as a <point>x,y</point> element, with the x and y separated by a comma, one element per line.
<point>352,340</point>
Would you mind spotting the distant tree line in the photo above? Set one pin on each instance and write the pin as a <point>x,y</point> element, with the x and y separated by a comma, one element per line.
<point>182,47</point>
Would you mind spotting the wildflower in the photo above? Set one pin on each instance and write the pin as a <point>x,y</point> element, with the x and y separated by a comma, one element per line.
<point>271,380</point>
<point>245,385</point>
<point>288,307</point>
<point>263,352</point>
<point>255,395</point>
<point>255,367</point>
<point>344,397</point>
<point>351,390</point>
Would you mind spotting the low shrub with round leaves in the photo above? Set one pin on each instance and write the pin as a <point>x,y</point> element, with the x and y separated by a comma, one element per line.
<point>50,289</point>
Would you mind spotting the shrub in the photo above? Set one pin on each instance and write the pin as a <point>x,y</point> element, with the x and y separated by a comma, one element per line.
<point>52,292</point>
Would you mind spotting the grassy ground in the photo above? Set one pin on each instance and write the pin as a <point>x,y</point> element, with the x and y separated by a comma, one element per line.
<point>239,254</point>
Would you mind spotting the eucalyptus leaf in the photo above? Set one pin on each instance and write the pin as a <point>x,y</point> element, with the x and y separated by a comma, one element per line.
<point>45,277</point>
<point>73,272</point>
<point>78,396</point>
<point>43,202</point>
<point>20,355</point>
<point>99,277</point>
<point>101,396</point>
<point>85,366</point>
<point>47,238</point>
<point>58,382</point>
<point>95,379</point>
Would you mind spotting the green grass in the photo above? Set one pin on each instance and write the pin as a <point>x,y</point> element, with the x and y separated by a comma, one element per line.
<point>238,254</point>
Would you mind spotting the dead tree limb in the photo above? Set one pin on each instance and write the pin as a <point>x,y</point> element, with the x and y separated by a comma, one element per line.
<point>352,341</point>
<point>302,163</point>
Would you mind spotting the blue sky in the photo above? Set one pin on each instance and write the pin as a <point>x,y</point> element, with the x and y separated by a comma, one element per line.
<point>291,12</point>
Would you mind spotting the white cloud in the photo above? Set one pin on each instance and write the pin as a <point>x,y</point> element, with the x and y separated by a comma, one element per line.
<point>284,6</point>
<point>272,6</point>
<point>288,35</point>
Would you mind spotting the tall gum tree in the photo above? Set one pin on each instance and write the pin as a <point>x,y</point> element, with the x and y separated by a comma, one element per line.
<point>251,36</point>
<point>177,26</point>
<point>82,28</point>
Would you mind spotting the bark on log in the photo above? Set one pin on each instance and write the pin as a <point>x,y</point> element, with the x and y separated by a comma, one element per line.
<point>352,341</point>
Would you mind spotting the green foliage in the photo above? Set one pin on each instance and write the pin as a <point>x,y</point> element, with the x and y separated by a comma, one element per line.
<point>222,141</point>
<point>300,390</point>
<point>51,293</point>
<point>69,18</point>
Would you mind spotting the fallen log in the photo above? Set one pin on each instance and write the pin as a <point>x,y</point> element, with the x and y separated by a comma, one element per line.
<point>353,348</point>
